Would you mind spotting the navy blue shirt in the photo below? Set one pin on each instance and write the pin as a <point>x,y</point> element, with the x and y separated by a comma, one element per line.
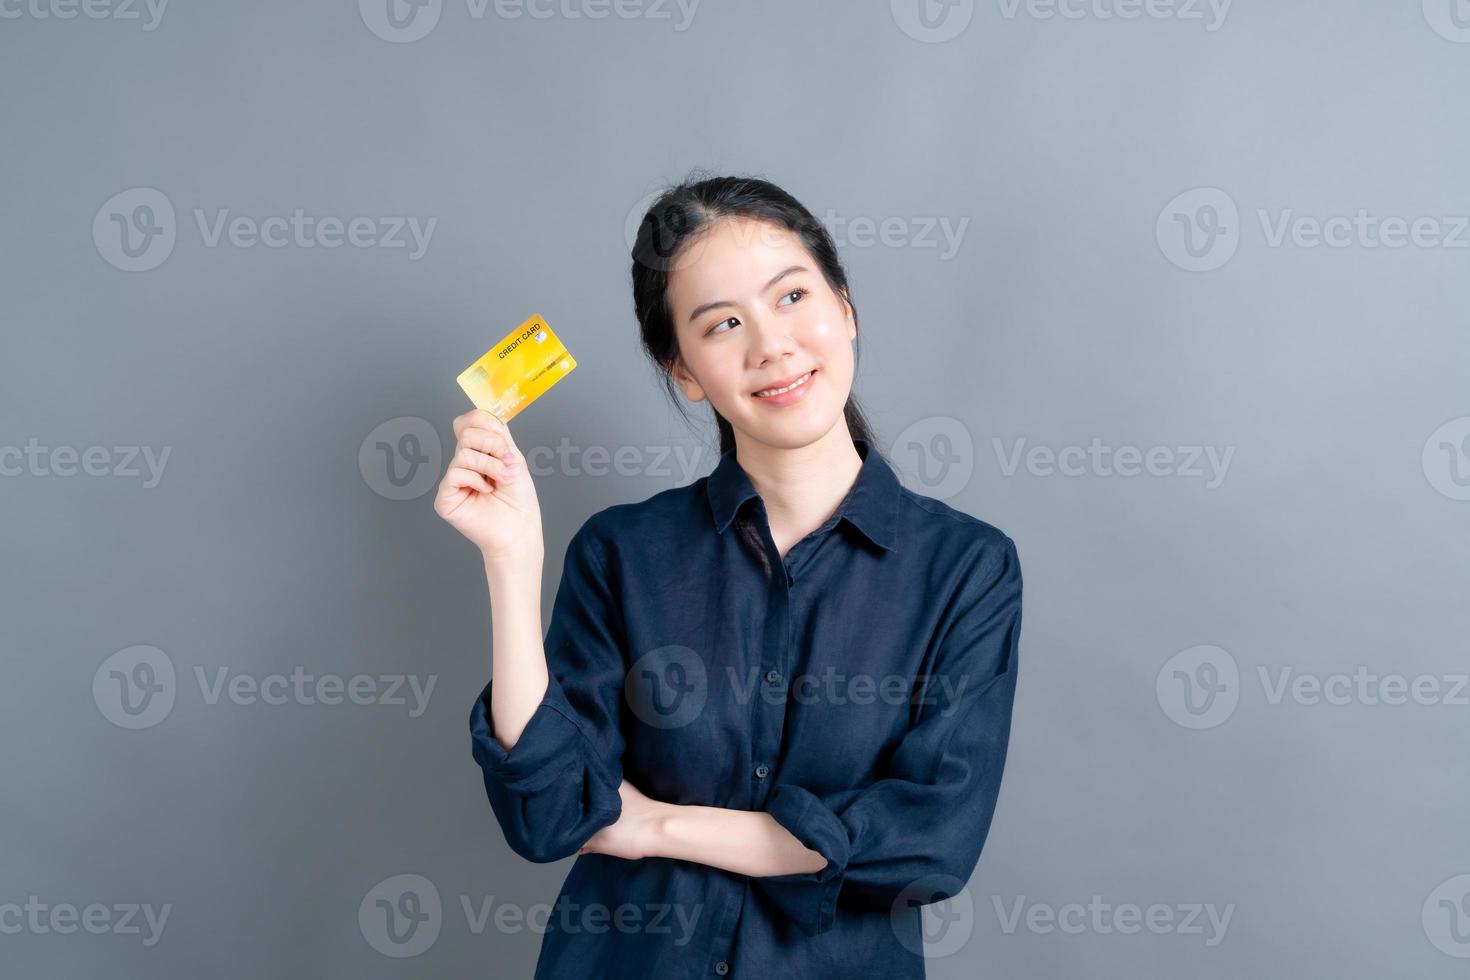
<point>858,690</point>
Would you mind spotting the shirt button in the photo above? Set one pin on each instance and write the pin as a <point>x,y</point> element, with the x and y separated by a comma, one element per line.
<point>722,968</point>
<point>762,771</point>
<point>772,676</point>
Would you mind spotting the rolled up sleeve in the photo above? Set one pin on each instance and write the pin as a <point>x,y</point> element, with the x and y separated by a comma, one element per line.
<point>917,832</point>
<point>558,784</point>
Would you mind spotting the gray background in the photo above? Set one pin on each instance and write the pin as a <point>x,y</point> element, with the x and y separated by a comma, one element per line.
<point>1333,833</point>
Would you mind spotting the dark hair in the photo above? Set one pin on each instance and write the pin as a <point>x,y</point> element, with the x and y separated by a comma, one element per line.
<point>685,211</point>
<point>671,224</point>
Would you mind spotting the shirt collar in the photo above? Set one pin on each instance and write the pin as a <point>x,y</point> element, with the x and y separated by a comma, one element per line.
<point>871,505</point>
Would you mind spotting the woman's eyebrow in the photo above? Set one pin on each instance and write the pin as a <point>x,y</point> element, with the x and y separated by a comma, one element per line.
<point>704,308</point>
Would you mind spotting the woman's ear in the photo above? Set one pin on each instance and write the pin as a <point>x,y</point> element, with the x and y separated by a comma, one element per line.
<point>851,317</point>
<point>687,383</point>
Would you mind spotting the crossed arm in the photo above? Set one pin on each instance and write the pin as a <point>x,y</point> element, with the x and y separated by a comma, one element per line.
<point>745,842</point>
<point>549,745</point>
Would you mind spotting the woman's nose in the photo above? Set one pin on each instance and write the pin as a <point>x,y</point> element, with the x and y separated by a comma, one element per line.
<point>771,339</point>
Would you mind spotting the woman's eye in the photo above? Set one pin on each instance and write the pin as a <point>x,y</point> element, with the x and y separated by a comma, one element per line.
<point>798,292</point>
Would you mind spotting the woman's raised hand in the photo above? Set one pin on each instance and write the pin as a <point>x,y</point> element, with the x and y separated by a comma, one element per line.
<point>487,493</point>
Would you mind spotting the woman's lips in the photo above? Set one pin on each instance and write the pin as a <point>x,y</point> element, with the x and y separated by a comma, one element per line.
<point>787,397</point>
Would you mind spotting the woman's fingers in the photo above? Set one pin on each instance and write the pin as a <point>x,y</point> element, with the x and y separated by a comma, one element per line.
<point>485,456</point>
<point>488,441</point>
<point>481,462</point>
<point>461,422</point>
<point>479,419</point>
<point>457,477</point>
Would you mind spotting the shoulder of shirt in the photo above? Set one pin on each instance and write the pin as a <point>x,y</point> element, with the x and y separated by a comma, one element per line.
<point>986,543</point>
<point>650,515</point>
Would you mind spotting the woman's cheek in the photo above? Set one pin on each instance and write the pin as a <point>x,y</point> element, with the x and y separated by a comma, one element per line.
<point>725,382</point>
<point>830,338</point>
<point>829,335</point>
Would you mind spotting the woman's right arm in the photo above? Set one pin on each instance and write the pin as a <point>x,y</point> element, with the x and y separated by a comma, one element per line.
<point>518,659</point>
<point>488,496</point>
<point>546,730</point>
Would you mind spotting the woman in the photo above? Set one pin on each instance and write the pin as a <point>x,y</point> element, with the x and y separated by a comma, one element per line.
<point>772,707</point>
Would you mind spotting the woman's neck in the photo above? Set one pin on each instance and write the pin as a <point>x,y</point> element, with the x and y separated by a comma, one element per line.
<point>801,487</point>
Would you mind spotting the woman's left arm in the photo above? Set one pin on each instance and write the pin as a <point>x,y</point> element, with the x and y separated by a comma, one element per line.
<point>915,835</point>
<point>748,842</point>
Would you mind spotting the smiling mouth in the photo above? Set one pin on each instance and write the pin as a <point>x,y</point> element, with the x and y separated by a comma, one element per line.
<point>768,392</point>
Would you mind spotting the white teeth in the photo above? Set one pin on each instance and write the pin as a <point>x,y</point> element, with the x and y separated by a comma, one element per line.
<point>778,391</point>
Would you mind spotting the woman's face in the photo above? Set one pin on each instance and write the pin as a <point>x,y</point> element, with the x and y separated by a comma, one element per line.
<point>752,312</point>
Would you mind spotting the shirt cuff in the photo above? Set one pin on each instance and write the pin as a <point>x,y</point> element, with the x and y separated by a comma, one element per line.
<point>809,898</point>
<point>549,743</point>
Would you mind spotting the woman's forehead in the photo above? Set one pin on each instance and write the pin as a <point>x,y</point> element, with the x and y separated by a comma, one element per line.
<point>737,254</point>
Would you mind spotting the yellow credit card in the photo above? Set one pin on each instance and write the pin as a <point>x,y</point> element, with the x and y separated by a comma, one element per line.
<point>518,370</point>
